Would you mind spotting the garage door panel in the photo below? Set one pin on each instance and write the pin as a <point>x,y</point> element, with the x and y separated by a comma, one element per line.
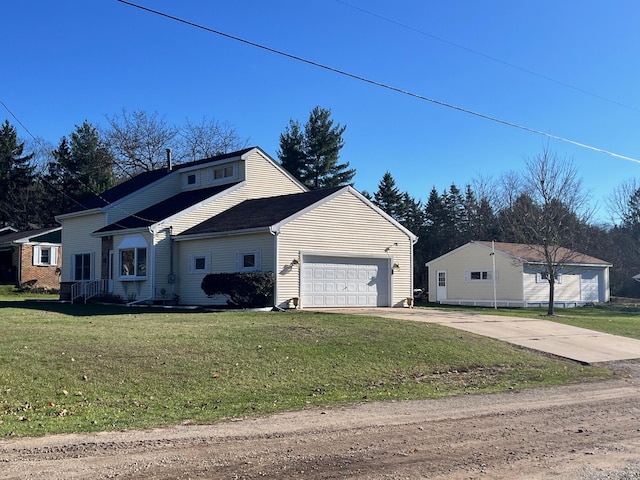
<point>352,282</point>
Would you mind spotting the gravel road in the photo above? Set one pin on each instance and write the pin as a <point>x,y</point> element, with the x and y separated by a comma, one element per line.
<point>586,431</point>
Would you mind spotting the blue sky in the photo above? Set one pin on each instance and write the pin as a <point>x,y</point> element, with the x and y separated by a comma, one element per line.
<point>73,60</point>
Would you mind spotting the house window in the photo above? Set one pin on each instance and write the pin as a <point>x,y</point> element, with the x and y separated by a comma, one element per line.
<point>480,276</point>
<point>133,262</point>
<point>224,172</point>
<point>45,256</point>
<point>249,261</point>
<point>543,277</point>
<point>81,266</point>
<point>200,264</point>
<point>191,179</point>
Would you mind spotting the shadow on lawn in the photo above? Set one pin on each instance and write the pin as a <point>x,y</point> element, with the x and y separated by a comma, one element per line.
<point>91,309</point>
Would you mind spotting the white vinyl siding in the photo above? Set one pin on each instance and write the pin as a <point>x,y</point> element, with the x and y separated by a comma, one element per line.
<point>263,179</point>
<point>76,238</point>
<point>224,253</point>
<point>343,226</point>
<point>473,257</point>
<point>566,291</point>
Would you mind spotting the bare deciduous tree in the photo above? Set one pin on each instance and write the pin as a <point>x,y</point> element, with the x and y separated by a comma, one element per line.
<point>545,209</point>
<point>207,139</point>
<point>139,141</point>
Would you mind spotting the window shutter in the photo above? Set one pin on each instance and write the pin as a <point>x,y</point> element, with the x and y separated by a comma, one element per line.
<point>258,261</point>
<point>36,255</point>
<point>54,256</point>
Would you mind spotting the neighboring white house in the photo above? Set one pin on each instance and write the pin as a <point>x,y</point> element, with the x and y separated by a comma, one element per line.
<point>514,275</point>
<point>155,237</point>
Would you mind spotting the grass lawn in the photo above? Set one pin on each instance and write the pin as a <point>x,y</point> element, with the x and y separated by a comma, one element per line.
<point>613,318</point>
<point>77,368</point>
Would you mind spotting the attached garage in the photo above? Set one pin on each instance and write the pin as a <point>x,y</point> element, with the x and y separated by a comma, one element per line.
<point>334,281</point>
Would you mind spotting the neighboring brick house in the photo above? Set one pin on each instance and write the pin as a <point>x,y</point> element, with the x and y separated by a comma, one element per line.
<point>31,257</point>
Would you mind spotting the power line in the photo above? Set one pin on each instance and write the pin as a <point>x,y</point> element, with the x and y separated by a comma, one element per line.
<point>378,84</point>
<point>487,56</point>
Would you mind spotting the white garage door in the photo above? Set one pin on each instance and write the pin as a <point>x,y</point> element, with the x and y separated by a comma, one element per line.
<point>589,286</point>
<point>344,282</point>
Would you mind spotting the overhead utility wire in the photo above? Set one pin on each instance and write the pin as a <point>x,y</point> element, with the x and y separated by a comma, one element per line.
<point>379,84</point>
<point>489,57</point>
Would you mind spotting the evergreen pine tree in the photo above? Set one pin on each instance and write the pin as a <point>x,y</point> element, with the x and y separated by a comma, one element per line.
<point>312,155</point>
<point>388,197</point>
<point>17,178</point>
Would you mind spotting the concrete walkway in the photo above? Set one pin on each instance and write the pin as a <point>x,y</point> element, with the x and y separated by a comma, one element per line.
<point>575,343</point>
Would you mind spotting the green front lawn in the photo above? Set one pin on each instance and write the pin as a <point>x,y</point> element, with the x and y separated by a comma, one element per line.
<point>75,368</point>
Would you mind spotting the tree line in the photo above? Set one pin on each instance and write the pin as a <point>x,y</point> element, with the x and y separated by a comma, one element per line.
<point>543,205</point>
<point>40,180</point>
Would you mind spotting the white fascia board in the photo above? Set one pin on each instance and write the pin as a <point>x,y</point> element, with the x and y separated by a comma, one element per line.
<point>166,221</point>
<point>230,233</point>
<point>267,157</point>
<point>64,216</point>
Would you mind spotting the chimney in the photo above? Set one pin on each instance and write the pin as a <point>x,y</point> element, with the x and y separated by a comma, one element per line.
<point>169,163</point>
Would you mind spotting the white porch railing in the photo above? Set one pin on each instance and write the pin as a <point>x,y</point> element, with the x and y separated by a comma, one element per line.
<point>88,289</point>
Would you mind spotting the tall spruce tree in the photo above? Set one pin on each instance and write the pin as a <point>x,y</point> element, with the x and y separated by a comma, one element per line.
<point>388,197</point>
<point>312,154</point>
<point>17,179</point>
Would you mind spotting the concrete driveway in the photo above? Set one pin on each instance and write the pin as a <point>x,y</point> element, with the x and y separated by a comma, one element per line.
<point>575,343</point>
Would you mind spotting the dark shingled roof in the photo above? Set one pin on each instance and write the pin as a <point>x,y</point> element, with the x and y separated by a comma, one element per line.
<point>533,254</point>
<point>48,235</point>
<point>164,209</point>
<point>119,191</point>
<point>142,180</point>
<point>260,212</point>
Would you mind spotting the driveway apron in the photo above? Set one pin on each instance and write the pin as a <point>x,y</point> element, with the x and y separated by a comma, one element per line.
<point>575,343</point>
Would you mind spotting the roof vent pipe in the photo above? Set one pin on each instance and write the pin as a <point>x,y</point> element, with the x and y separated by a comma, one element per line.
<point>169,162</point>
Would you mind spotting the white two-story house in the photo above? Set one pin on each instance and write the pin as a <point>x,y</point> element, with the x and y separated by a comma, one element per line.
<point>153,238</point>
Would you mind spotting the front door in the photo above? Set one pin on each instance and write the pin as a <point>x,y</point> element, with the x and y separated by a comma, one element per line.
<point>441,285</point>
